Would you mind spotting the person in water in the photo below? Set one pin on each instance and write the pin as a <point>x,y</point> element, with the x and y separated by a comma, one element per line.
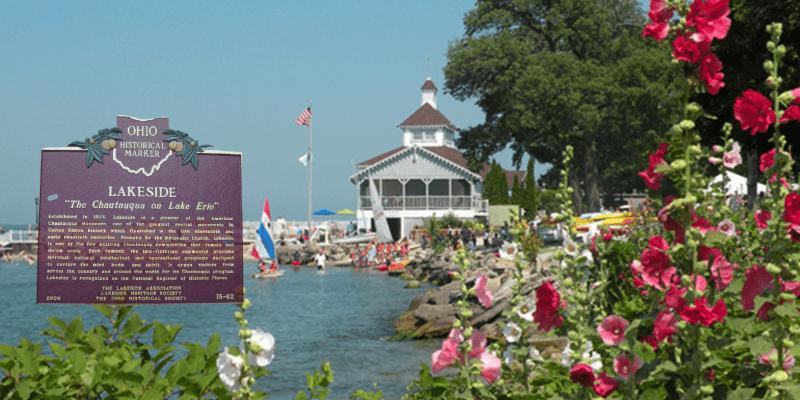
<point>320,260</point>
<point>296,257</point>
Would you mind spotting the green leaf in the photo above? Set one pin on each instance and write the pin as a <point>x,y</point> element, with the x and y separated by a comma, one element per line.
<point>213,345</point>
<point>74,329</point>
<point>301,395</point>
<point>759,346</point>
<point>58,323</point>
<point>59,351</point>
<point>131,327</point>
<point>741,394</point>
<point>714,239</point>
<point>787,310</point>
<point>160,336</point>
<point>644,351</point>
<point>177,371</point>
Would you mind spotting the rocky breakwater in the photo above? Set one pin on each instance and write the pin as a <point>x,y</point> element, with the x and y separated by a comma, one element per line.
<point>336,254</point>
<point>432,314</point>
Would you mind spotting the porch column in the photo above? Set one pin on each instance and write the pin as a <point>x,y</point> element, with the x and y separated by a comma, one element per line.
<point>427,182</point>
<point>403,182</point>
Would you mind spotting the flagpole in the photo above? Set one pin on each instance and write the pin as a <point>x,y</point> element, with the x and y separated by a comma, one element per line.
<point>310,160</point>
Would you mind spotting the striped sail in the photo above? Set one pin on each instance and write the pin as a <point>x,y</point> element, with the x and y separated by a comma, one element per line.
<point>264,247</point>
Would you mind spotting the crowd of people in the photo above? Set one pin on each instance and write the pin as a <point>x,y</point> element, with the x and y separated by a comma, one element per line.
<point>374,253</point>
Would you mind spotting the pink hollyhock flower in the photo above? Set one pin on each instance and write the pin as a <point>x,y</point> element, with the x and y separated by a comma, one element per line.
<point>612,330</point>
<point>753,111</point>
<point>664,326</point>
<point>732,158</point>
<point>478,342</point>
<point>714,160</point>
<point>636,267</point>
<point>727,227</point>
<point>722,272</point>
<point>791,114</point>
<point>656,270</point>
<point>710,17</point>
<point>716,148</point>
<point>710,72</point>
<point>485,297</point>
<point>445,356</point>
<point>547,302</point>
<point>659,15</point>
<point>756,281</point>
<point>582,374</point>
<point>702,314</point>
<point>772,357</point>
<point>605,385</point>
<point>625,367</point>
<point>490,366</point>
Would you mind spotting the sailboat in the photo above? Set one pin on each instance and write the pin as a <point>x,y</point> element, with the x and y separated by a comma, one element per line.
<point>264,246</point>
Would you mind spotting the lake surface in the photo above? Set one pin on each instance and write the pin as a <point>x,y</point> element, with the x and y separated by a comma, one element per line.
<point>343,315</point>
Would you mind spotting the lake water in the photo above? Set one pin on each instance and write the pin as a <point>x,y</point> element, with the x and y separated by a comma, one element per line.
<point>344,316</point>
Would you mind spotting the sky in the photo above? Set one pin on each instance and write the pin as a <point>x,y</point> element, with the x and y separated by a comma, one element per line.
<point>232,74</point>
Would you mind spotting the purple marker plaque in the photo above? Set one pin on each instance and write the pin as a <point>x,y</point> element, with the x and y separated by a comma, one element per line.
<point>140,214</point>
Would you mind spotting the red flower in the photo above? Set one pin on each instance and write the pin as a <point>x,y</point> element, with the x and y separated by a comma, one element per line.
<point>791,212</point>
<point>767,160</point>
<point>547,302</point>
<point>761,218</point>
<point>710,17</point>
<point>763,312</point>
<point>651,178</point>
<point>582,374</point>
<point>722,272</point>
<point>605,384</point>
<point>625,367</point>
<point>670,224</point>
<point>710,71</point>
<point>673,298</point>
<point>756,281</point>
<point>702,314</point>
<point>664,326</point>
<point>650,340</point>
<point>659,15</point>
<point>791,114</point>
<point>686,49</point>
<point>753,111</point>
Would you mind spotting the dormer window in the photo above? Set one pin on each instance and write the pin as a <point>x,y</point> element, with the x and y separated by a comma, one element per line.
<point>417,136</point>
<point>430,136</point>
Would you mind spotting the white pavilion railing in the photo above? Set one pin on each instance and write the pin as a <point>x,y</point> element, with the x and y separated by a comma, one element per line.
<point>428,203</point>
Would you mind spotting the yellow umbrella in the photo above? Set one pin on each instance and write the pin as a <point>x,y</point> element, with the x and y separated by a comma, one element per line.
<point>346,212</point>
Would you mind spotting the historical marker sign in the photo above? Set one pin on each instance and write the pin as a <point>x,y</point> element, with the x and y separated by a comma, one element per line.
<point>140,214</point>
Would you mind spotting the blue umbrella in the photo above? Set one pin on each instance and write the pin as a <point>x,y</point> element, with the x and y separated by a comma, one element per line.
<point>324,211</point>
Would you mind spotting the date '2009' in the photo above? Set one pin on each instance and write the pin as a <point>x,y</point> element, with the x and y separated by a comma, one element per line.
<point>53,298</point>
<point>228,296</point>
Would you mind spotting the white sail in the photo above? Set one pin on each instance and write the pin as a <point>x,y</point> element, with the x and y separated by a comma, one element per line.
<point>381,226</point>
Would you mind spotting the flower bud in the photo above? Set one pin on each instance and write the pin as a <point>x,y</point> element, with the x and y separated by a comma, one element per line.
<point>238,316</point>
<point>573,336</point>
<point>769,66</point>
<point>788,343</point>
<point>679,164</point>
<point>780,51</point>
<point>771,46</point>
<point>707,389</point>
<point>773,269</point>
<point>693,107</point>
<point>716,148</point>
<point>687,125</point>
<point>780,376</point>
<point>567,283</point>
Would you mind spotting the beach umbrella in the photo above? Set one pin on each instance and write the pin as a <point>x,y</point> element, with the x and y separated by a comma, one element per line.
<point>346,211</point>
<point>324,211</point>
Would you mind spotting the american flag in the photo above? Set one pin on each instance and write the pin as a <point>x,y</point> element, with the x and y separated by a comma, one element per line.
<point>304,118</point>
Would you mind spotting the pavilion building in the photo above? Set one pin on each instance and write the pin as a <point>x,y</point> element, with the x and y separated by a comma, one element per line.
<point>425,177</point>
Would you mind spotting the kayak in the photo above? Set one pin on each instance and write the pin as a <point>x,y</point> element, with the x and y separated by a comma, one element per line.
<point>272,274</point>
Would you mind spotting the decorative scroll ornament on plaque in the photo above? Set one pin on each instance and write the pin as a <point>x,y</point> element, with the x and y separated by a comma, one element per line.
<point>134,145</point>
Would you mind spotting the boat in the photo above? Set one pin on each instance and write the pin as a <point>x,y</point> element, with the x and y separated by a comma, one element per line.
<point>268,274</point>
<point>381,225</point>
<point>355,238</point>
<point>264,246</point>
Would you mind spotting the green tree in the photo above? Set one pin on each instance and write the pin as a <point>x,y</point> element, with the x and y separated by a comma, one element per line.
<point>551,73</point>
<point>517,192</point>
<point>495,185</point>
<point>530,198</point>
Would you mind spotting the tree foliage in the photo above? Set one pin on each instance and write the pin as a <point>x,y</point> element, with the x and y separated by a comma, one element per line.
<point>530,198</point>
<point>549,73</point>
<point>495,185</point>
<point>517,192</point>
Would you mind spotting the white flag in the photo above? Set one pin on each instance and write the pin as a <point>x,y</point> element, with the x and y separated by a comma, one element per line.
<point>304,159</point>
